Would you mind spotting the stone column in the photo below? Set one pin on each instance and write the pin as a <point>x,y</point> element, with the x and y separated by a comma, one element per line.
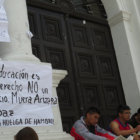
<point>124,24</point>
<point>20,46</point>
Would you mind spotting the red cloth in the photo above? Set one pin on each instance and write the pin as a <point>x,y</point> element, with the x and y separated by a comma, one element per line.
<point>75,135</point>
<point>106,135</point>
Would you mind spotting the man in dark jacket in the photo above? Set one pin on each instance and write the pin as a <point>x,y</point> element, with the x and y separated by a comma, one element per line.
<point>87,128</point>
<point>135,119</point>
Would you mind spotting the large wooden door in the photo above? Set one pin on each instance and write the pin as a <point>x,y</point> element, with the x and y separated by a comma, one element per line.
<point>95,68</point>
<point>84,48</point>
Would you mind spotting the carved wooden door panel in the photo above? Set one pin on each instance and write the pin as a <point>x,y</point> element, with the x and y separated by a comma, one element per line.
<point>85,50</point>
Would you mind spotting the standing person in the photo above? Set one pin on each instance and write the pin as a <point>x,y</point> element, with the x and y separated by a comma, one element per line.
<point>119,126</point>
<point>135,119</point>
<point>26,133</point>
<point>87,128</point>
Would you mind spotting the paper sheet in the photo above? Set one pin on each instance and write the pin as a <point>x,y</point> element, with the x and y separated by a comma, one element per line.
<point>4,36</point>
<point>30,34</point>
<point>120,138</point>
<point>130,138</point>
<point>1,2</point>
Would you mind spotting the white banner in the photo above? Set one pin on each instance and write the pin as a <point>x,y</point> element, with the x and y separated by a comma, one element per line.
<point>26,94</point>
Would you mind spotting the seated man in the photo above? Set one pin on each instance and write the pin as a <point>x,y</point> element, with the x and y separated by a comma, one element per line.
<point>135,119</point>
<point>120,126</point>
<point>87,128</point>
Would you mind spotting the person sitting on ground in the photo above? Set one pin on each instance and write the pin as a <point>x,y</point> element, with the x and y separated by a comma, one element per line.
<point>135,119</point>
<point>26,133</point>
<point>87,128</point>
<point>119,126</point>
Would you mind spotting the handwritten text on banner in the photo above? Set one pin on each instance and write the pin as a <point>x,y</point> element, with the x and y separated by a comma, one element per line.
<point>26,94</point>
